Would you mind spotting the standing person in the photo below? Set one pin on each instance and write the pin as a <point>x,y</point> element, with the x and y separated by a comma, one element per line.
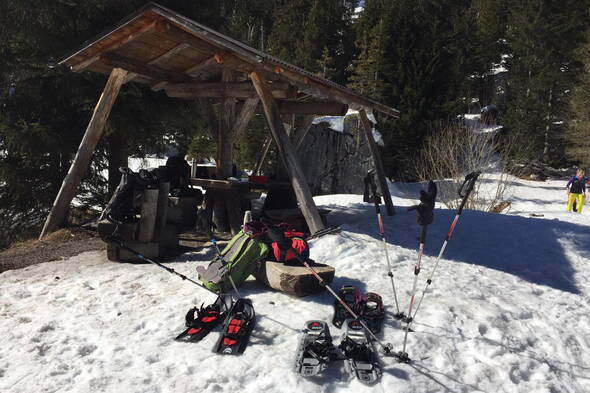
<point>576,191</point>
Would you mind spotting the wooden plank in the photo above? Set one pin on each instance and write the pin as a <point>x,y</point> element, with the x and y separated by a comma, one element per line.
<point>151,71</point>
<point>293,107</point>
<point>382,182</point>
<point>149,213</point>
<point>87,145</point>
<point>176,34</point>
<point>287,153</point>
<point>113,46</point>
<point>243,118</point>
<point>178,48</point>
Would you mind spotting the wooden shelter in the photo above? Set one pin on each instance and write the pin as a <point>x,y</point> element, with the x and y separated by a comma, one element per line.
<point>160,48</point>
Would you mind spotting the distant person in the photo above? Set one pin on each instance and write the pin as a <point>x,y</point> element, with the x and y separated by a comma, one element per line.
<point>576,191</point>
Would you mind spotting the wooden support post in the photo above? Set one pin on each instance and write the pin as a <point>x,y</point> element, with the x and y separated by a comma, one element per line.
<point>163,204</point>
<point>149,213</point>
<point>287,152</point>
<point>87,146</point>
<point>368,129</point>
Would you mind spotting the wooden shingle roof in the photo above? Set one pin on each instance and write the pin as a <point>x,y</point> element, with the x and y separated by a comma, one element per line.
<point>170,52</point>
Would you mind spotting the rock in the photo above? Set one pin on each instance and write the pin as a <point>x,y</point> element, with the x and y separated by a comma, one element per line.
<point>294,280</point>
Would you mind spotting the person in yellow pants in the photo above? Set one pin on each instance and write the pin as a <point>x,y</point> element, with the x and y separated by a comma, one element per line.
<point>576,191</point>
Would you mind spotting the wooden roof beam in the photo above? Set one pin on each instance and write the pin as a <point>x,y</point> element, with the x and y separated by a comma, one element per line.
<point>113,47</point>
<point>194,70</point>
<point>238,90</point>
<point>137,67</point>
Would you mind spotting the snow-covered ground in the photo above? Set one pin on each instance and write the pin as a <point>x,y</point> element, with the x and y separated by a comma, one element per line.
<point>508,312</point>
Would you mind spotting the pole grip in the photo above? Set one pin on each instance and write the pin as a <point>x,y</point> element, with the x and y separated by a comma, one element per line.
<point>466,189</point>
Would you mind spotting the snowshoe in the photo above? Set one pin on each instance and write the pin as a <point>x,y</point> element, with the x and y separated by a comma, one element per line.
<point>359,356</point>
<point>206,320</point>
<point>237,328</point>
<point>373,312</point>
<point>315,349</point>
<point>352,297</point>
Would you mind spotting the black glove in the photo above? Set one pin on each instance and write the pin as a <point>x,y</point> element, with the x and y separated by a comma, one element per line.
<point>425,209</point>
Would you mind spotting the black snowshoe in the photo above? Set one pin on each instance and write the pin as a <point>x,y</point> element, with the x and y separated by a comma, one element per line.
<point>315,349</point>
<point>237,328</point>
<point>206,320</point>
<point>360,359</point>
<point>352,297</point>
<point>373,312</point>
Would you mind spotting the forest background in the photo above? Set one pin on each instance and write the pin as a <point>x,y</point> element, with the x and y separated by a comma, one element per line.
<point>433,60</point>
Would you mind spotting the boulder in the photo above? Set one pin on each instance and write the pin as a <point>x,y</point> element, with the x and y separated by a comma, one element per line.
<point>294,280</point>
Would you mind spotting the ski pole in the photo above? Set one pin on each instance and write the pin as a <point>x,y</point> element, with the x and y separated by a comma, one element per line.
<point>467,188</point>
<point>231,280</point>
<point>377,201</point>
<point>403,356</point>
<point>386,347</point>
<point>120,243</point>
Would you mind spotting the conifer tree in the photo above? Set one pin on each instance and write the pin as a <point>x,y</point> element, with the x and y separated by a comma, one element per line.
<point>542,37</point>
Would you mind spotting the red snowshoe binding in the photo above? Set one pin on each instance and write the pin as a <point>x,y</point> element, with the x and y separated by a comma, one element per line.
<point>352,297</point>
<point>207,319</point>
<point>237,328</point>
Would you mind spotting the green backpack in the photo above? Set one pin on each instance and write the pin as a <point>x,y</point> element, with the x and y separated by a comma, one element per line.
<point>238,260</point>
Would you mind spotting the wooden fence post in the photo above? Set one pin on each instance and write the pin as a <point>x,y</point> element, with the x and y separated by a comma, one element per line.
<point>89,141</point>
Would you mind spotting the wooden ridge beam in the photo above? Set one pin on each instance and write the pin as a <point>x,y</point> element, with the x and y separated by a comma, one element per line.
<point>288,154</point>
<point>151,71</point>
<point>113,47</point>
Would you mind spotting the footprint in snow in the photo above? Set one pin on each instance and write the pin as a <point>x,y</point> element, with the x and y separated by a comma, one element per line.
<point>86,350</point>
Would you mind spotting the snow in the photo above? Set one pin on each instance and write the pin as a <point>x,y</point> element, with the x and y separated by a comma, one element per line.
<point>508,310</point>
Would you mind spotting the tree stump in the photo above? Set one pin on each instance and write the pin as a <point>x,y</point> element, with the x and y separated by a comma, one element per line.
<point>294,280</point>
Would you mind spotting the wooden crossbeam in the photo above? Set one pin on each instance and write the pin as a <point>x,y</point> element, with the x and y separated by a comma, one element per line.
<point>243,118</point>
<point>113,47</point>
<point>194,71</point>
<point>238,90</point>
<point>137,67</point>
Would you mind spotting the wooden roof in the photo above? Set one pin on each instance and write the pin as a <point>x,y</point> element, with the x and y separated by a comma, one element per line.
<point>170,52</point>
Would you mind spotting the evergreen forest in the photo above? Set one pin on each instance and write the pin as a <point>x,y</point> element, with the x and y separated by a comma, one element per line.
<point>433,60</point>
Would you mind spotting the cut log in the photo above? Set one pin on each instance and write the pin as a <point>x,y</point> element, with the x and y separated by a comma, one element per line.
<point>294,280</point>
